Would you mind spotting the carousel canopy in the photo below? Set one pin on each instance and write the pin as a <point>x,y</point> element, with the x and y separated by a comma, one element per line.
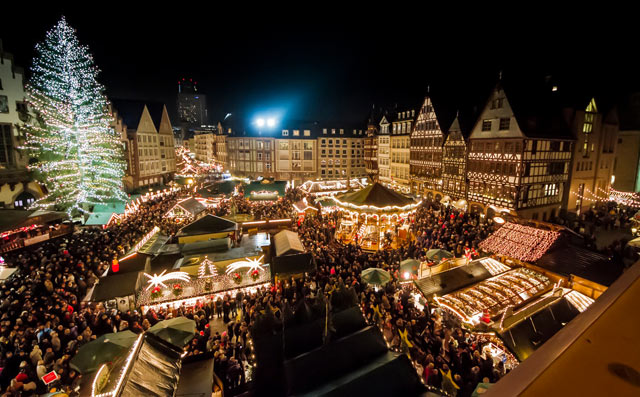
<point>375,195</point>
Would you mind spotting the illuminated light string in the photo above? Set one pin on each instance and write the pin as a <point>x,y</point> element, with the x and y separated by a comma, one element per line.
<point>124,369</point>
<point>524,243</point>
<point>252,264</point>
<point>79,155</point>
<point>207,264</point>
<point>157,280</point>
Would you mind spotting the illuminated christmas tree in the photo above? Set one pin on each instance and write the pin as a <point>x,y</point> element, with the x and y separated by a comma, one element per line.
<point>78,154</point>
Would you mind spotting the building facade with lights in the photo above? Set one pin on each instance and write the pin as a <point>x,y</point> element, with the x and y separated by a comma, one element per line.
<point>384,171</point>
<point>17,189</point>
<point>400,150</point>
<point>150,150</point>
<point>519,155</point>
<point>297,154</point>
<point>596,134</point>
<point>205,142</point>
<point>454,163</point>
<point>427,139</point>
<point>341,153</point>
<point>250,154</point>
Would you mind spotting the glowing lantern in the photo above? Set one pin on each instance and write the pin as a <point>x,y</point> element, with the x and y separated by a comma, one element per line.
<point>115,266</point>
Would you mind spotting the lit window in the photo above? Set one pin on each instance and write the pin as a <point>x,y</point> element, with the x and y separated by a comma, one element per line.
<point>486,125</point>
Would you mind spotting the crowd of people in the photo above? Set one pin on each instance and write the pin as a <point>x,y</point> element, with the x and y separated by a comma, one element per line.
<point>42,320</point>
<point>43,323</point>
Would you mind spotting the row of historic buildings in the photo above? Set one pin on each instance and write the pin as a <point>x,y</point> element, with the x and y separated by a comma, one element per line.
<point>528,151</point>
<point>303,151</point>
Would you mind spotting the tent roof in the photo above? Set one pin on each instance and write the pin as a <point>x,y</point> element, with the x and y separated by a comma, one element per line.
<point>287,242</point>
<point>208,224</point>
<point>115,286</point>
<point>98,218</point>
<point>192,206</point>
<point>155,369</point>
<point>15,219</point>
<point>276,186</point>
<point>452,280</point>
<point>570,259</point>
<point>196,379</point>
<point>376,195</point>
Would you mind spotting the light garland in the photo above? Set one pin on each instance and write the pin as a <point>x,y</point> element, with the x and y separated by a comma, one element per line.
<point>524,243</point>
<point>157,280</point>
<point>207,264</point>
<point>79,155</point>
<point>373,208</point>
<point>146,238</point>
<point>252,264</point>
<point>95,380</point>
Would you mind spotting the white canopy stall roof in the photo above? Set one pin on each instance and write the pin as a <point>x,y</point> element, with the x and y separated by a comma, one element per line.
<point>287,242</point>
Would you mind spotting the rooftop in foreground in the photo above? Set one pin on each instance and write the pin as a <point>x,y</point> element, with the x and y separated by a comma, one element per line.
<point>596,354</point>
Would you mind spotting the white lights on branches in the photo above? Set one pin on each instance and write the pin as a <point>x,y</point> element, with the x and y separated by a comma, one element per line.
<point>157,280</point>
<point>252,264</point>
<point>79,155</point>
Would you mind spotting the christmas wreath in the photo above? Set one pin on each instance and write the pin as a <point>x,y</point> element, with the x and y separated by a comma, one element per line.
<point>255,274</point>
<point>177,289</point>
<point>237,278</point>
<point>156,292</point>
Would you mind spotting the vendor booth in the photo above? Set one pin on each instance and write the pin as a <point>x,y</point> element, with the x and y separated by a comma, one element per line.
<point>374,217</point>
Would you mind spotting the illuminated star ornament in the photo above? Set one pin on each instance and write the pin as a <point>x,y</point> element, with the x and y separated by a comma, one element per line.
<point>252,264</point>
<point>157,280</point>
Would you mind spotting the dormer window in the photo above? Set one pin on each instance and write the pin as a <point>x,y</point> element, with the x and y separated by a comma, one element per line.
<point>324,131</point>
<point>307,133</point>
<point>285,132</point>
<point>296,132</point>
<point>333,131</point>
<point>341,131</point>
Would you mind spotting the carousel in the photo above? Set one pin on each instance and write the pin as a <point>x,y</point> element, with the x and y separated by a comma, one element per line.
<point>374,217</point>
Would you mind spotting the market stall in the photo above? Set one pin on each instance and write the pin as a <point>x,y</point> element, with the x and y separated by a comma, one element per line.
<point>374,217</point>
<point>488,299</point>
<point>332,187</point>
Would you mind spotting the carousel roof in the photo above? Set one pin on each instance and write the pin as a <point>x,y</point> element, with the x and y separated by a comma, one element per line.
<point>376,195</point>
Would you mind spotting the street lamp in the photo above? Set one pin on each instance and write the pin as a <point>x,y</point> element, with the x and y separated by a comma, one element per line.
<point>271,122</point>
<point>260,122</point>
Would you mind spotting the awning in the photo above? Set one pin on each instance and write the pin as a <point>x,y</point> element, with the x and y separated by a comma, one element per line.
<point>287,242</point>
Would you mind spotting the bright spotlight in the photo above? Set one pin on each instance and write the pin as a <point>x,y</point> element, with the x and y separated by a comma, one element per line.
<point>407,275</point>
<point>260,122</point>
<point>271,122</point>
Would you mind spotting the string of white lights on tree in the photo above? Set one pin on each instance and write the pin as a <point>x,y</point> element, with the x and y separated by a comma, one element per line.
<point>524,243</point>
<point>79,156</point>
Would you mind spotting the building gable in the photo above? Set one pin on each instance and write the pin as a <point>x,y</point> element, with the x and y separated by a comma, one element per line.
<point>496,109</point>
<point>165,123</point>
<point>146,123</point>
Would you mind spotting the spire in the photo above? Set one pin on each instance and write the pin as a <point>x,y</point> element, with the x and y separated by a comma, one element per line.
<point>500,75</point>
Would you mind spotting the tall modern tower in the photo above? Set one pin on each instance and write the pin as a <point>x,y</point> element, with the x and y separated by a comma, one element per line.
<point>192,105</point>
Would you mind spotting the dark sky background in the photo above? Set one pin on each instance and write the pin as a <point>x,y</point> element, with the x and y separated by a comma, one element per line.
<point>319,66</point>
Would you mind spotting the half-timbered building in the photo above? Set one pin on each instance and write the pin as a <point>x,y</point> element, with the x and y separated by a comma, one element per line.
<point>454,163</point>
<point>371,148</point>
<point>426,152</point>
<point>519,155</point>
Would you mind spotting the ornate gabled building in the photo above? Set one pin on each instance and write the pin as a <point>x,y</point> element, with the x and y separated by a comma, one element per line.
<point>150,145</point>
<point>596,134</point>
<point>519,155</point>
<point>427,139</point>
<point>454,163</point>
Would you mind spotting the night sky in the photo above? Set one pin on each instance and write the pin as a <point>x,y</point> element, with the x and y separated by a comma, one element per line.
<point>317,66</point>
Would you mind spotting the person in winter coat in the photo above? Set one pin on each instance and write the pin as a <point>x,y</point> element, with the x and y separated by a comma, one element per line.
<point>41,370</point>
<point>35,355</point>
